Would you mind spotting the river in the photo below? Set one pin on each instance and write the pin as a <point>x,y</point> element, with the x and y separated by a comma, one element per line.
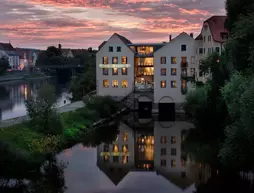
<point>13,96</point>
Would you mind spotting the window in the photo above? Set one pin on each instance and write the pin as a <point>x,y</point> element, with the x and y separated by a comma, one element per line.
<point>209,38</point>
<point>183,163</point>
<point>163,71</point>
<point>124,159</point>
<point>124,71</point>
<point>184,84</point>
<point>173,60</point>
<point>173,139</point>
<point>200,51</point>
<point>124,60</point>
<point>192,71</point>
<point>110,49</point>
<point>173,163</point>
<point>163,60</point>
<point>118,49</point>
<point>114,71</point>
<point>183,174</point>
<point>125,137</point>
<point>115,83</point>
<point>204,38</point>
<point>115,148</point>
<point>173,84</point>
<point>204,50</point>
<point>173,71</point>
<point>163,151</point>
<point>173,151</point>
<point>183,48</point>
<point>163,163</point>
<point>105,71</point>
<point>125,83</point>
<point>106,158</point>
<point>114,60</point>
<point>217,49</point>
<point>105,83</point>
<point>105,60</point>
<point>163,139</point>
<point>106,148</point>
<point>163,84</point>
<point>125,148</point>
<point>115,159</point>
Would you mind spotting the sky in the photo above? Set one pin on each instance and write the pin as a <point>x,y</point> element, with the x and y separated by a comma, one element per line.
<point>87,23</point>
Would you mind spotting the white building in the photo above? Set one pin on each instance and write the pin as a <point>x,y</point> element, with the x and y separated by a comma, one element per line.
<point>173,65</point>
<point>7,50</point>
<point>115,67</point>
<point>211,39</point>
<point>117,159</point>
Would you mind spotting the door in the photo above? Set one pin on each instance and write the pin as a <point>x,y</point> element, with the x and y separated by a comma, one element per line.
<point>166,111</point>
<point>145,109</point>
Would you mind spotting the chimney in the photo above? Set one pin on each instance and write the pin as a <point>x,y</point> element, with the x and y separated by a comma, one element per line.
<point>191,35</point>
<point>170,38</point>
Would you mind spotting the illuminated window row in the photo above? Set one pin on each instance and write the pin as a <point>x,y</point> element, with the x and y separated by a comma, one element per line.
<point>116,159</point>
<point>115,84</point>
<point>173,163</point>
<point>115,71</point>
<point>164,71</point>
<point>114,60</point>
<point>163,84</point>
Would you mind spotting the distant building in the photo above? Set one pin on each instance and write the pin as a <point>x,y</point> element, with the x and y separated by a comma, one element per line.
<point>27,56</point>
<point>7,51</point>
<point>67,53</point>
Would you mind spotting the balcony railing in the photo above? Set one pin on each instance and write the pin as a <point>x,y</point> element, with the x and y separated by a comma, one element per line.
<point>142,54</point>
<point>184,64</point>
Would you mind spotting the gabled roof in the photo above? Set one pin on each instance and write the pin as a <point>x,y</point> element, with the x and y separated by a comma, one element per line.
<point>217,27</point>
<point>102,44</point>
<point>6,46</point>
<point>199,37</point>
<point>11,53</point>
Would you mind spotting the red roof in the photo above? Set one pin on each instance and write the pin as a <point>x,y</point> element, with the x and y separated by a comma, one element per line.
<point>217,28</point>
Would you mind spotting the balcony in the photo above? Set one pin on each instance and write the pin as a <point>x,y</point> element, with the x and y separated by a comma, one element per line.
<point>184,64</point>
<point>184,90</point>
<point>144,54</point>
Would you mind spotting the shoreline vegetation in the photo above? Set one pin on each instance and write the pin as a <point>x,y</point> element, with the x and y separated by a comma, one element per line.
<point>24,144</point>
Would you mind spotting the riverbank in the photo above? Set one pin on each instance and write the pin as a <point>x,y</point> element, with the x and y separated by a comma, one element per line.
<point>22,119</point>
<point>9,77</point>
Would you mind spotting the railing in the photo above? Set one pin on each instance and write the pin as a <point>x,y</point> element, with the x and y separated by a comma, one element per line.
<point>144,54</point>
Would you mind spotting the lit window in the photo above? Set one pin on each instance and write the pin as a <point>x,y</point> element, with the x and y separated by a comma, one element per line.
<point>114,71</point>
<point>163,84</point>
<point>115,159</point>
<point>184,84</point>
<point>114,60</point>
<point>106,158</point>
<point>124,71</point>
<point>173,163</point>
<point>125,83</point>
<point>124,159</point>
<point>115,148</point>
<point>163,151</point>
<point>173,84</point>
<point>173,60</point>
<point>163,60</point>
<point>173,139</point>
<point>115,83</point>
<point>163,71</point>
<point>105,83</point>
<point>173,151</point>
<point>183,163</point>
<point>125,148</point>
<point>163,140</point>
<point>118,49</point>
<point>125,137</point>
<point>173,71</point>
<point>105,60</point>
<point>163,163</point>
<point>124,60</point>
<point>105,71</point>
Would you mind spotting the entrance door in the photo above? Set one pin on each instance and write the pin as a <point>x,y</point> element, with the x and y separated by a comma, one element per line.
<point>145,109</point>
<point>166,112</point>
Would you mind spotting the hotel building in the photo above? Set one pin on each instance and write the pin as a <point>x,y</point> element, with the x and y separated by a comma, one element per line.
<point>166,70</point>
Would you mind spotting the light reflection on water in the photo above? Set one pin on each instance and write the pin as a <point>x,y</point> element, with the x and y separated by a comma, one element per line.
<point>14,94</point>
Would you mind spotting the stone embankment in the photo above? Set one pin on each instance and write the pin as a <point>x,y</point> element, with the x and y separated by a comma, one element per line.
<point>62,109</point>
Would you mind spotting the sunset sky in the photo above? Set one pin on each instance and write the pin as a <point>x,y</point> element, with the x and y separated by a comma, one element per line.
<point>86,23</point>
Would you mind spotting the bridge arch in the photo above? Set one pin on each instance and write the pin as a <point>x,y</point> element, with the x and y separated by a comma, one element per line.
<point>145,105</point>
<point>166,99</point>
<point>166,107</point>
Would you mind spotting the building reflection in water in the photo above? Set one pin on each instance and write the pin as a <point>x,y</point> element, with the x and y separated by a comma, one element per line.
<point>160,150</point>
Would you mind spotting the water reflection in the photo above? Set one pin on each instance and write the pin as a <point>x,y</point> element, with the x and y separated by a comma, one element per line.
<point>14,94</point>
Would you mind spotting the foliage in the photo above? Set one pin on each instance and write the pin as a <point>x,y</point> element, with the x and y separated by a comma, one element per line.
<point>4,65</point>
<point>53,51</point>
<point>42,113</point>
<point>104,105</point>
<point>45,145</point>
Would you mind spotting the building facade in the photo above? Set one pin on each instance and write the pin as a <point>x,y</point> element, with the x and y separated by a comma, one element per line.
<point>7,51</point>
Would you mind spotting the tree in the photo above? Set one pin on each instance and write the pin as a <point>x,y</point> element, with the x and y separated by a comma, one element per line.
<point>4,65</point>
<point>42,112</point>
<point>53,51</point>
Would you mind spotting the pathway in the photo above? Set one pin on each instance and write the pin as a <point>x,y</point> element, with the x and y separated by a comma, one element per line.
<point>62,109</point>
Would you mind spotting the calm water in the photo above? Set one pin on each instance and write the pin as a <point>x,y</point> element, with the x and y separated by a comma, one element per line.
<point>14,94</point>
